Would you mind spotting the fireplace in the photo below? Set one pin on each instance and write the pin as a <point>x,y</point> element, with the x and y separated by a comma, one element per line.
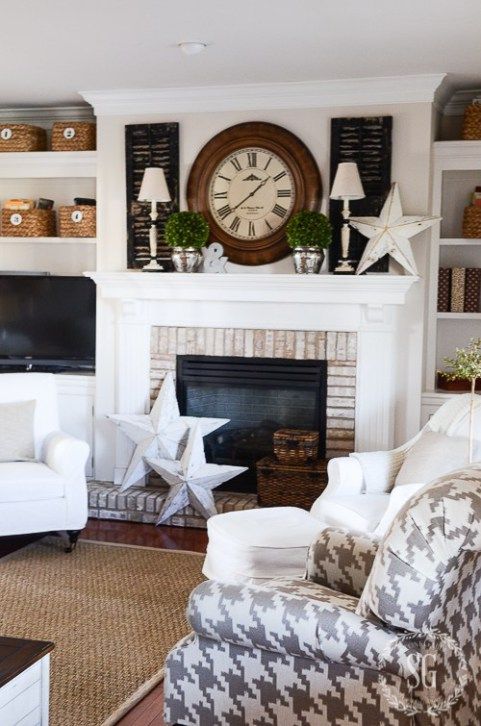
<point>259,396</point>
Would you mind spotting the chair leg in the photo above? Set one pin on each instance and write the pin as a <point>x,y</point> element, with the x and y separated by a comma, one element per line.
<point>73,535</point>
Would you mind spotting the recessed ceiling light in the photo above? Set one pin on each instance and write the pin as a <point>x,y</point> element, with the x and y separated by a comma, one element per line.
<point>192,47</point>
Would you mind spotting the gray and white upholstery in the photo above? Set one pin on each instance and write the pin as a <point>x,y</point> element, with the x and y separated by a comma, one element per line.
<point>299,652</point>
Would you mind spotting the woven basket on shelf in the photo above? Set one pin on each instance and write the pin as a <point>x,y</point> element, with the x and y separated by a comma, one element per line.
<point>287,485</point>
<point>22,137</point>
<point>472,121</point>
<point>472,222</point>
<point>77,221</point>
<point>73,136</point>
<point>34,223</point>
<point>294,446</point>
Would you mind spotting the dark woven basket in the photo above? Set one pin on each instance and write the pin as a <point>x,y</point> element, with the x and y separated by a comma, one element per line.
<point>32,223</point>
<point>472,121</point>
<point>284,485</point>
<point>294,446</point>
<point>73,136</point>
<point>22,137</point>
<point>472,222</point>
<point>77,221</point>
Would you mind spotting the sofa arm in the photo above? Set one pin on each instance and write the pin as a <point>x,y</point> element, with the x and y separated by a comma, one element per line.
<point>65,454</point>
<point>293,617</point>
<point>341,561</point>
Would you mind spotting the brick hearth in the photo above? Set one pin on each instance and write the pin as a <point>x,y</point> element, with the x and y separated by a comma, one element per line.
<point>142,504</point>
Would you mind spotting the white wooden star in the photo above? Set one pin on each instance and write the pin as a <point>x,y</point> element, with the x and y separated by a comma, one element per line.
<point>390,233</point>
<point>191,479</point>
<point>161,433</point>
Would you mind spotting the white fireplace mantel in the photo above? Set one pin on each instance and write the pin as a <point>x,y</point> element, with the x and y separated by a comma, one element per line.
<point>379,289</point>
<point>131,302</point>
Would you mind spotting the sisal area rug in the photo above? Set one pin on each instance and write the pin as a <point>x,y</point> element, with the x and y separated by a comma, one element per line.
<point>113,612</point>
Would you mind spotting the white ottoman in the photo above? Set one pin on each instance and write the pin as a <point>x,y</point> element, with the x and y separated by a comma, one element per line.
<point>259,544</point>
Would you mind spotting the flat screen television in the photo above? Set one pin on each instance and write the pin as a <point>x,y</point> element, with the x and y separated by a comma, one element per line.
<point>47,322</point>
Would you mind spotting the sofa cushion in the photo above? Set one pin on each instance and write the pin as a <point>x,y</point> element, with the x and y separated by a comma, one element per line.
<point>419,564</point>
<point>360,513</point>
<point>28,481</point>
<point>292,616</point>
<point>432,455</point>
<point>16,431</point>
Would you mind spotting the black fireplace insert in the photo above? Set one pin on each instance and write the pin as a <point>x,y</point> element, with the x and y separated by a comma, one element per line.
<point>259,396</point>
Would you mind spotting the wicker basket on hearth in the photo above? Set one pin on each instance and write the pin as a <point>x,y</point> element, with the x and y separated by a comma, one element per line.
<point>295,446</point>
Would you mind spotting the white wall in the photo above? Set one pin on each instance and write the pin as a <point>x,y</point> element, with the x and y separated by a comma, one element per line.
<point>412,136</point>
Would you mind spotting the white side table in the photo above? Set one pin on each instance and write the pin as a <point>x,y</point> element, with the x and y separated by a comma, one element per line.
<point>24,682</point>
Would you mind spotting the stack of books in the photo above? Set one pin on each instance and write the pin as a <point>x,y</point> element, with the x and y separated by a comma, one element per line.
<point>459,290</point>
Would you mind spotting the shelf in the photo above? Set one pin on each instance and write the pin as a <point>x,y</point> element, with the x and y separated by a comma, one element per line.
<point>460,242</point>
<point>47,164</point>
<point>458,316</point>
<point>48,240</point>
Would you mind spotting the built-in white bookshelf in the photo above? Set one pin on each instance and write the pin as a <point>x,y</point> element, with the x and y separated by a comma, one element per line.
<point>57,175</point>
<point>456,172</point>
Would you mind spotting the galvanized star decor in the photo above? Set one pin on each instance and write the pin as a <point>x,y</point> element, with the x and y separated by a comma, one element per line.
<point>162,433</point>
<point>390,233</point>
<point>191,479</point>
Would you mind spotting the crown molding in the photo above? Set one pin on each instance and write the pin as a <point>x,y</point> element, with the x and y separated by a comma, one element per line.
<point>256,96</point>
<point>46,114</point>
<point>459,100</point>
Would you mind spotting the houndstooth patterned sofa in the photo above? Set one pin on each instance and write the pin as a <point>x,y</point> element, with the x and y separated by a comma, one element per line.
<point>313,651</point>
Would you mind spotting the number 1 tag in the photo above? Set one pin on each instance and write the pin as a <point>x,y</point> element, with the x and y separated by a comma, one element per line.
<point>6,134</point>
<point>77,216</point>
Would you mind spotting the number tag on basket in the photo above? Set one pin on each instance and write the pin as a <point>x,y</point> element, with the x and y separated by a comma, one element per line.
<point>77,216</point>
<point>69,132</point>
<point>6,134</point>
<point>16,219</point>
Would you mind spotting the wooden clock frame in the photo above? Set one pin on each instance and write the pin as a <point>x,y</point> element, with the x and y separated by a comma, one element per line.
<point>294,154</point>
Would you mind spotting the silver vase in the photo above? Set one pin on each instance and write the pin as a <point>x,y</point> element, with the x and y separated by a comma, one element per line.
<point>307,260</point>
<point>186,259</point>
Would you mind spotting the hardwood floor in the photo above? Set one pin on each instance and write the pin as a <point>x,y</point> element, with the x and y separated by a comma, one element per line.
<point>147,712</point>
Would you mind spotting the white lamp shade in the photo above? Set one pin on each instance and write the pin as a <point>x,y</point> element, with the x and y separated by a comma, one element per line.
<point>347,182</point>
<point>154,187</point>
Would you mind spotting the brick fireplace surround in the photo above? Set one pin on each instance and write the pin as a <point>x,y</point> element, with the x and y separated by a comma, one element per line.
<point>149,320</point>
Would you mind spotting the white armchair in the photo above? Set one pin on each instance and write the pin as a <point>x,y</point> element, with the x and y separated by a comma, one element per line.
<point>262,543</point>
<point>50,493</point>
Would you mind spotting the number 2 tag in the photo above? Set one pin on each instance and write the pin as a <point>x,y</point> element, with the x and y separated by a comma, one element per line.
<point>69,133</point>
<point>16,219</point>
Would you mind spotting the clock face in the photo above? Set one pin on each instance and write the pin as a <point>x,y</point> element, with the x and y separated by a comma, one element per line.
<point>251,193</point>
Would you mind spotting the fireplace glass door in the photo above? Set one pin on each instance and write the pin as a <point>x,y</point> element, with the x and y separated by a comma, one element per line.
<point>259,396</point>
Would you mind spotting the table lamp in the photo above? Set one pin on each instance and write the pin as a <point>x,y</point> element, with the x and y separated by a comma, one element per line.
<point>347,186</point>
<point>153,189</point>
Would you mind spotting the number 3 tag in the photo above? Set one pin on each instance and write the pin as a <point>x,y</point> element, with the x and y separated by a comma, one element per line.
<point>6,134</point>
<point>69,132</point>
<point>16,219</point>
<point>77,216</point>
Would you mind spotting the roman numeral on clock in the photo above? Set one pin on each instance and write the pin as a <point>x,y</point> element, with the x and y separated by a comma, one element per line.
<point>222,195</point>
<point>252,229</point>
<point>236,164</point>
<point>268,162</point>
<point>280,211</point>
<point>284,192</point>
<point>252,158</point>
<point>234,226</point>
<point>225,178</point>
<point>224,212</point>
<point>279,176</point>
<point>268,225</point>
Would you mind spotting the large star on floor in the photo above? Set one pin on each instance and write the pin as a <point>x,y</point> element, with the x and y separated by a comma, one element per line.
<point>390,233</point>
<point>191,479</point>
<point>162,433</point>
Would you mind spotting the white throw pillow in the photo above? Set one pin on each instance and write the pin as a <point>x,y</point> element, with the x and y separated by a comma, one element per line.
<point>16,431</point>
<point>397,499</point>
<point>379,470</point>
<point>433,455</point>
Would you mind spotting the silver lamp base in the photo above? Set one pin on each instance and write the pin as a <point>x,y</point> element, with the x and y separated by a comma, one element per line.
<point>344,267</point>
<point>152,266</point>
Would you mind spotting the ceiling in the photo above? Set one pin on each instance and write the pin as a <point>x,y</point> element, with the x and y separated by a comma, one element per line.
<point>51,49</point>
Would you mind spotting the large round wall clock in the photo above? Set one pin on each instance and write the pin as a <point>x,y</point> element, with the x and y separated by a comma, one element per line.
<point>248,181</point>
